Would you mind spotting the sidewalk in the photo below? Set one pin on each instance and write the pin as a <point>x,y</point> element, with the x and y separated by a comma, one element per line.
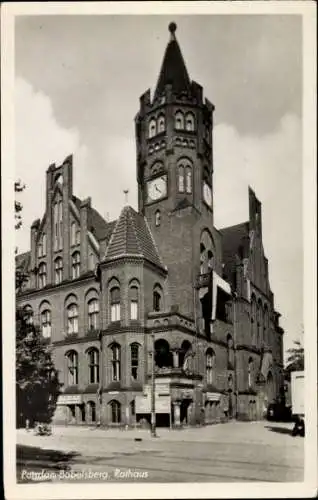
<point>231,432</point>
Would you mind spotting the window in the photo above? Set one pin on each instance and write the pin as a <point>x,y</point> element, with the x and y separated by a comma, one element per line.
<point>73,233</point>
<point>134,360</point>
<point>58,265</point>
<point>152,128</point>
<point>93,313</point>
<point>58,225</point>
<point>115,412</point>
<point>42,246</point>
<point>78,237</point>
<point>157,218</point>
<point>72,319</point>
<point>76,265</point>
<point>188,180</point>
<point>115,362</point>
<point>250,372</point>
<point>72,368</point>
<point>46,324</point>
<point>209,362</point>
<point>161,124</point>
<point>253,320</point>
<point>181,179</point>
<point>115,304</point>
<point>28,312</point>
<point>42,275</point>
<point>133,299</point>
<point>93,366</point>
<point>156,300</point>
<point>179,120</point>
<point>91,261</point>
<point>189,122</point>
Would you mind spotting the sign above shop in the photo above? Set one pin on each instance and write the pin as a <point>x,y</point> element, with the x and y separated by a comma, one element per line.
<point>70,399</point>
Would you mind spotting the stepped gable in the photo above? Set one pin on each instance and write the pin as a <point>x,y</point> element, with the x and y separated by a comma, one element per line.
<point>132,237</point>
<point>235,241</point>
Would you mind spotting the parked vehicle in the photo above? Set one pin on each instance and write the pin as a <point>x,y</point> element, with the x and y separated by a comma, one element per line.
<point>278,412</point>
<point>297,398</point>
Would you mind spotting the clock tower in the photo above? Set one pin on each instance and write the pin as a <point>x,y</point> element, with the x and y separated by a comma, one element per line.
<point>175,172</point>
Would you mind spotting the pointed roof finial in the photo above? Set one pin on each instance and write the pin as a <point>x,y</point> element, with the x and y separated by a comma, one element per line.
<point>172,29</point>
<point>126,191</point>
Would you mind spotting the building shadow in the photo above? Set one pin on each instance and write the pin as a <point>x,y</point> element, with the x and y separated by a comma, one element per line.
<point>34,459</point>
<point>279,430</point>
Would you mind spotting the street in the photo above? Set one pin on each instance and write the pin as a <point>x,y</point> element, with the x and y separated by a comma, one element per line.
<point>232,452</point>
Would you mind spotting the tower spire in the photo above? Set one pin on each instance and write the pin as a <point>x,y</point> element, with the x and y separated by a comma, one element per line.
<point>173,70</point>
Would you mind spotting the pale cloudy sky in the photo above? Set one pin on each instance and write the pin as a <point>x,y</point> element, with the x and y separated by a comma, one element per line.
<point>78,83</point>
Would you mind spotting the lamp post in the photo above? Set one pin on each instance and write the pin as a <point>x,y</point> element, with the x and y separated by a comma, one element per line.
<point>153,387</point>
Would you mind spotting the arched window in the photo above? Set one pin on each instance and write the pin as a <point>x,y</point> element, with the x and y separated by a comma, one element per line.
<point>185,354</point>
<point>58,225</point>
<point>133,302</point>
<point>253,320</point>
<point>72,368</point>
<point>42,275</point>
<point>152,128</point>
<point>161,124</point>
<point>250,372</point>
<point>78,237</point>
<point>42,246</point>
<point>189,122</point>
<point>188,178</point>
<point>115,412</point>
<point>163,354</point>
<point>157,218</point>
<point>73,233</point>
<point>93,314</point>
<point>28,314</point>
<point>115,304</point>
<point>76,265</point>
<point>91,261</point>
<point>209,364</point>
<point>206,252</point>
<point>157,298</point>
<point>58,270</point>
<point>134,360</point>
<point>179,121</point>
<point>115,348</point>
<point>259,323</point>
<point>230,382</point>
<point>72,319</point>
<point>181,179</point>
<point>46,323</point>
<point>93,366</point>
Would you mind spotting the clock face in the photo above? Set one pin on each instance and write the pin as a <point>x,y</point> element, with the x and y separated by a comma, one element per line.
<point>207,194</point>
<point>157,188</point>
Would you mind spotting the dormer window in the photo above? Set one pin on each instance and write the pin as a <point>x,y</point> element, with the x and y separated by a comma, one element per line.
<point>161,124</point>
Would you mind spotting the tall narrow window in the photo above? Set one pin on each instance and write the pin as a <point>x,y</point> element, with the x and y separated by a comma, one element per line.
<point>209,361</point>
<point>76,265</point>
<point>157,299</point>
<point>161,124</point>
<point>115,412</point>
<point>93,366</point>
<point>42,275</point>
<point>78,237</point>
<point>72,319</point>
<point>250,372</point>
<point>58,269</point>
<point>73,233</point>
<point>134,360</point>
<point>133,296</point>
<point>152,128</point>
<point>181,179</point>
<point>42,246</point>
<point>179,120</point>
<point>115,304</point>
<point>189,122</point>
<point>28,315</point>
<point>93,313</point>
<point>157,218</point>
<point>60,225</point>
<point>189,180</point>
<point>72,368</point>
<point>55,226</point>
<point>115,362</point>
<point>46,324</point>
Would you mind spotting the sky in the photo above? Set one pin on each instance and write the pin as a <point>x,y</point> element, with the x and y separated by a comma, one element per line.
<point>78,80</point>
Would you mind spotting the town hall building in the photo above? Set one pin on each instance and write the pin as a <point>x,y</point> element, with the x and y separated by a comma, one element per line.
<point>160,284</point>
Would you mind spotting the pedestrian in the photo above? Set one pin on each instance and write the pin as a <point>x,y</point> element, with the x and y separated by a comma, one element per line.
<point>27,425</point>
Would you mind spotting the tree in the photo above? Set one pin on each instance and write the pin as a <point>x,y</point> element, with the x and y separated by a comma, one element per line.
<point>295,359</point>
<point>37,385</point>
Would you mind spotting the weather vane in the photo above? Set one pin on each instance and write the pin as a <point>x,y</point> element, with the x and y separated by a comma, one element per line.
<point>126,191</point>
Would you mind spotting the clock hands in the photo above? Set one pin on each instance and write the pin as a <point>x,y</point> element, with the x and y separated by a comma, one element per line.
<point>156,187</point>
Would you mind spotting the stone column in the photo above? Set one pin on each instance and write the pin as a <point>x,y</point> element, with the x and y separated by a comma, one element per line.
<point>175,354</point>
<point>176,413</point>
